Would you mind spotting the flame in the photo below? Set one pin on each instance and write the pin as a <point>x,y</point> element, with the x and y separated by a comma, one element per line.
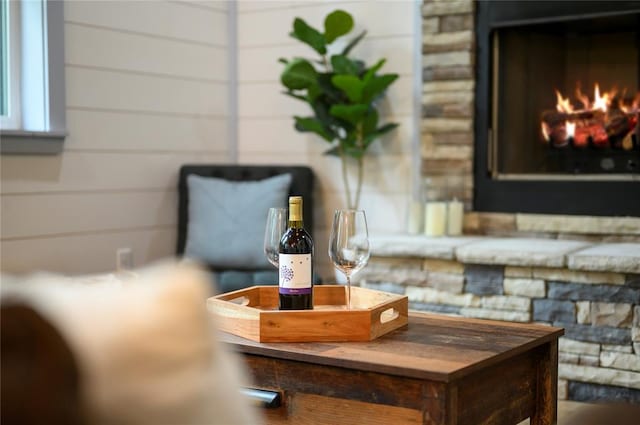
<point>563,105</point>
<point>571,128</point>
<point>635,105</point>
<point>586,104</point>
<point>602,102</point>
<point>545,131</point>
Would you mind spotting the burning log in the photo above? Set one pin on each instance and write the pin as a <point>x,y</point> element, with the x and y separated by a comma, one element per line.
<point>608,121</point>
<point>582,128</point>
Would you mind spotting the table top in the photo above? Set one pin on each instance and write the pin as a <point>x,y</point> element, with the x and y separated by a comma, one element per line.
<point>435,347</point>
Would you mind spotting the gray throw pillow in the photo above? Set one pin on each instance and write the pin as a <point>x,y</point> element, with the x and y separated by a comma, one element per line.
<point>227,219</point>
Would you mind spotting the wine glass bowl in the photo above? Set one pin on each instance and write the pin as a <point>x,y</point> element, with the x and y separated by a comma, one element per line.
<point>274,229</point>
<point>349,244</point>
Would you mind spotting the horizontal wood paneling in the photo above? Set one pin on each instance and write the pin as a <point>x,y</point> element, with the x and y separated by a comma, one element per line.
<point>68,213</point>
<point>134,92</point>
<point>219,5</point>
<point>117,130</point>
<point>86,171</point>
<point>159,18</point>
<point>260,5</point>
<point>97,47</point>
<point>87,253</point>
<point>272,26</point>
<point>146,92</point>
<point>267,100</point>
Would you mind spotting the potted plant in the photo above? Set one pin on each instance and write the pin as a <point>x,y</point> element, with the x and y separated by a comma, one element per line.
<point>343,94</point>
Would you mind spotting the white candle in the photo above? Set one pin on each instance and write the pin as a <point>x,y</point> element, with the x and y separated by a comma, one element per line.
<point>416,214</point>
<point>455,213</point>
<point>435,218</point>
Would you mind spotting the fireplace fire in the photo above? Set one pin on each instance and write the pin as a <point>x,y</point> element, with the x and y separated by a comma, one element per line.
<point>609,121</point>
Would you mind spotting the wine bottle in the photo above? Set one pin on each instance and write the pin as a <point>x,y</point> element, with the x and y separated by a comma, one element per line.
<point>295,258</point>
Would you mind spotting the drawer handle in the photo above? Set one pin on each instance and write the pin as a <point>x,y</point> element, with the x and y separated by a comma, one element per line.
<point>263,398</point>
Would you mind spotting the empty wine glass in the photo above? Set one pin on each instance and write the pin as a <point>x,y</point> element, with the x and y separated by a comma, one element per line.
<point>275,228</point>
<point>349,244</point>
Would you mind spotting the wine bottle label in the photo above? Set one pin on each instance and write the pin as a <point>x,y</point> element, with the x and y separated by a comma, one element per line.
<point>295,273</point>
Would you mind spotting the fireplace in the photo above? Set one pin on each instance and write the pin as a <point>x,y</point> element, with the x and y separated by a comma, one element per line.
<point>558,107</point>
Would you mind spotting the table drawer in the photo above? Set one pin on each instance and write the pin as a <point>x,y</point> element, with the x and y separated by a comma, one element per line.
<point>317,394</point>
<point>301,409</point>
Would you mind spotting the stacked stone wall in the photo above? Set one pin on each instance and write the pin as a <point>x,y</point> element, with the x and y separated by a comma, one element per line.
<point>447,99</point>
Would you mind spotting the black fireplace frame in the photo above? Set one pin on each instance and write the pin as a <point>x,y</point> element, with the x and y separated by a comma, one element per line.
<point>544,196</point>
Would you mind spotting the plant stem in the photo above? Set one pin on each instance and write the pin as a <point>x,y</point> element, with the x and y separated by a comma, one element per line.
<point>359,183</point>
<point>360,167</point>
<point>345,176</point>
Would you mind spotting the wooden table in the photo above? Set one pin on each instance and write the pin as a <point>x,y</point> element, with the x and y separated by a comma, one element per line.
<point>436,370</point>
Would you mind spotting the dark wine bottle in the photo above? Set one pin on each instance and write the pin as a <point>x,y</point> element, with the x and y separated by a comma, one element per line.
<point>295,260</point>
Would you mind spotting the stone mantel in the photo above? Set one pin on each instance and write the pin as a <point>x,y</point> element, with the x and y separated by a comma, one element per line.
<point>522,252</point>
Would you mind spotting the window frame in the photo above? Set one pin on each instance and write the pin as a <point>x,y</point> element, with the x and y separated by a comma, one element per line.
<point>50,139</point>
<point>11,51</point>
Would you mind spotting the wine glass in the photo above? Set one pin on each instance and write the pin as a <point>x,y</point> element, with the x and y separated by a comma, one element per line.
<point>349,244</point>
<point>275,228</point>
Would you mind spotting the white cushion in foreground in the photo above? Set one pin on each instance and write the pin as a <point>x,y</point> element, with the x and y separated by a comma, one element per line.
<point>145,345</point>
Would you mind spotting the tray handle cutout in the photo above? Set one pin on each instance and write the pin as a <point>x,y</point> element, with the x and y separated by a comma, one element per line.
<point>389,315</point>
<point>243,301</point>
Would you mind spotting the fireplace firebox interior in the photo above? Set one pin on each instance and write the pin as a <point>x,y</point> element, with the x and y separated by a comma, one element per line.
<point>558,107</point>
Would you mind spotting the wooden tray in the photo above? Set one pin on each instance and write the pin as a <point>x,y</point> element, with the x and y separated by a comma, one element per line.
<point>253,313</point>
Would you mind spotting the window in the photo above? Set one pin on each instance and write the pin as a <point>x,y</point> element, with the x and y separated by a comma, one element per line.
<point>32,102</point>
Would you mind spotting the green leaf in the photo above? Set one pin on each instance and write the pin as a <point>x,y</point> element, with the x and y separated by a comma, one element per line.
<point>337,23</point>
<point>372,71</point>
<point>343,65</point>
<point>387,128</point>
<point>334,151</point>
<point>370,122</point>
<point>350,113</point>
<point>371,137</point>
<point>351,85</point>
<point>298,74</point>
<point>313,91</point>
<point>333,124</point>
<point>309,35</point>
<point>353,43</point>
<point>283,60</point>
<point>295,95</point>
<point>376,86</point>
<point>332,92</point>
<point>310,124</point>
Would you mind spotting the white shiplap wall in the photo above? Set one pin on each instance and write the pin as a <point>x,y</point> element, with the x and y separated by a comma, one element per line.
<point>265,123</point>
<point>147,91</point>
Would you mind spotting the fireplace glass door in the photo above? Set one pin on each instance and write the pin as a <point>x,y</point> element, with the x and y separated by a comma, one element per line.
<point>565,99</point>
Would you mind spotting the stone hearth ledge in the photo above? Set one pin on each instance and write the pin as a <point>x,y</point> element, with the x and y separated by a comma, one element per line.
<point>576,255</point>
<point>418,246</point>
<point>620,257</point>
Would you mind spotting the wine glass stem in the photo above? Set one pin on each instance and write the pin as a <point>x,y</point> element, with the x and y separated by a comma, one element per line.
<point>348,292</point>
